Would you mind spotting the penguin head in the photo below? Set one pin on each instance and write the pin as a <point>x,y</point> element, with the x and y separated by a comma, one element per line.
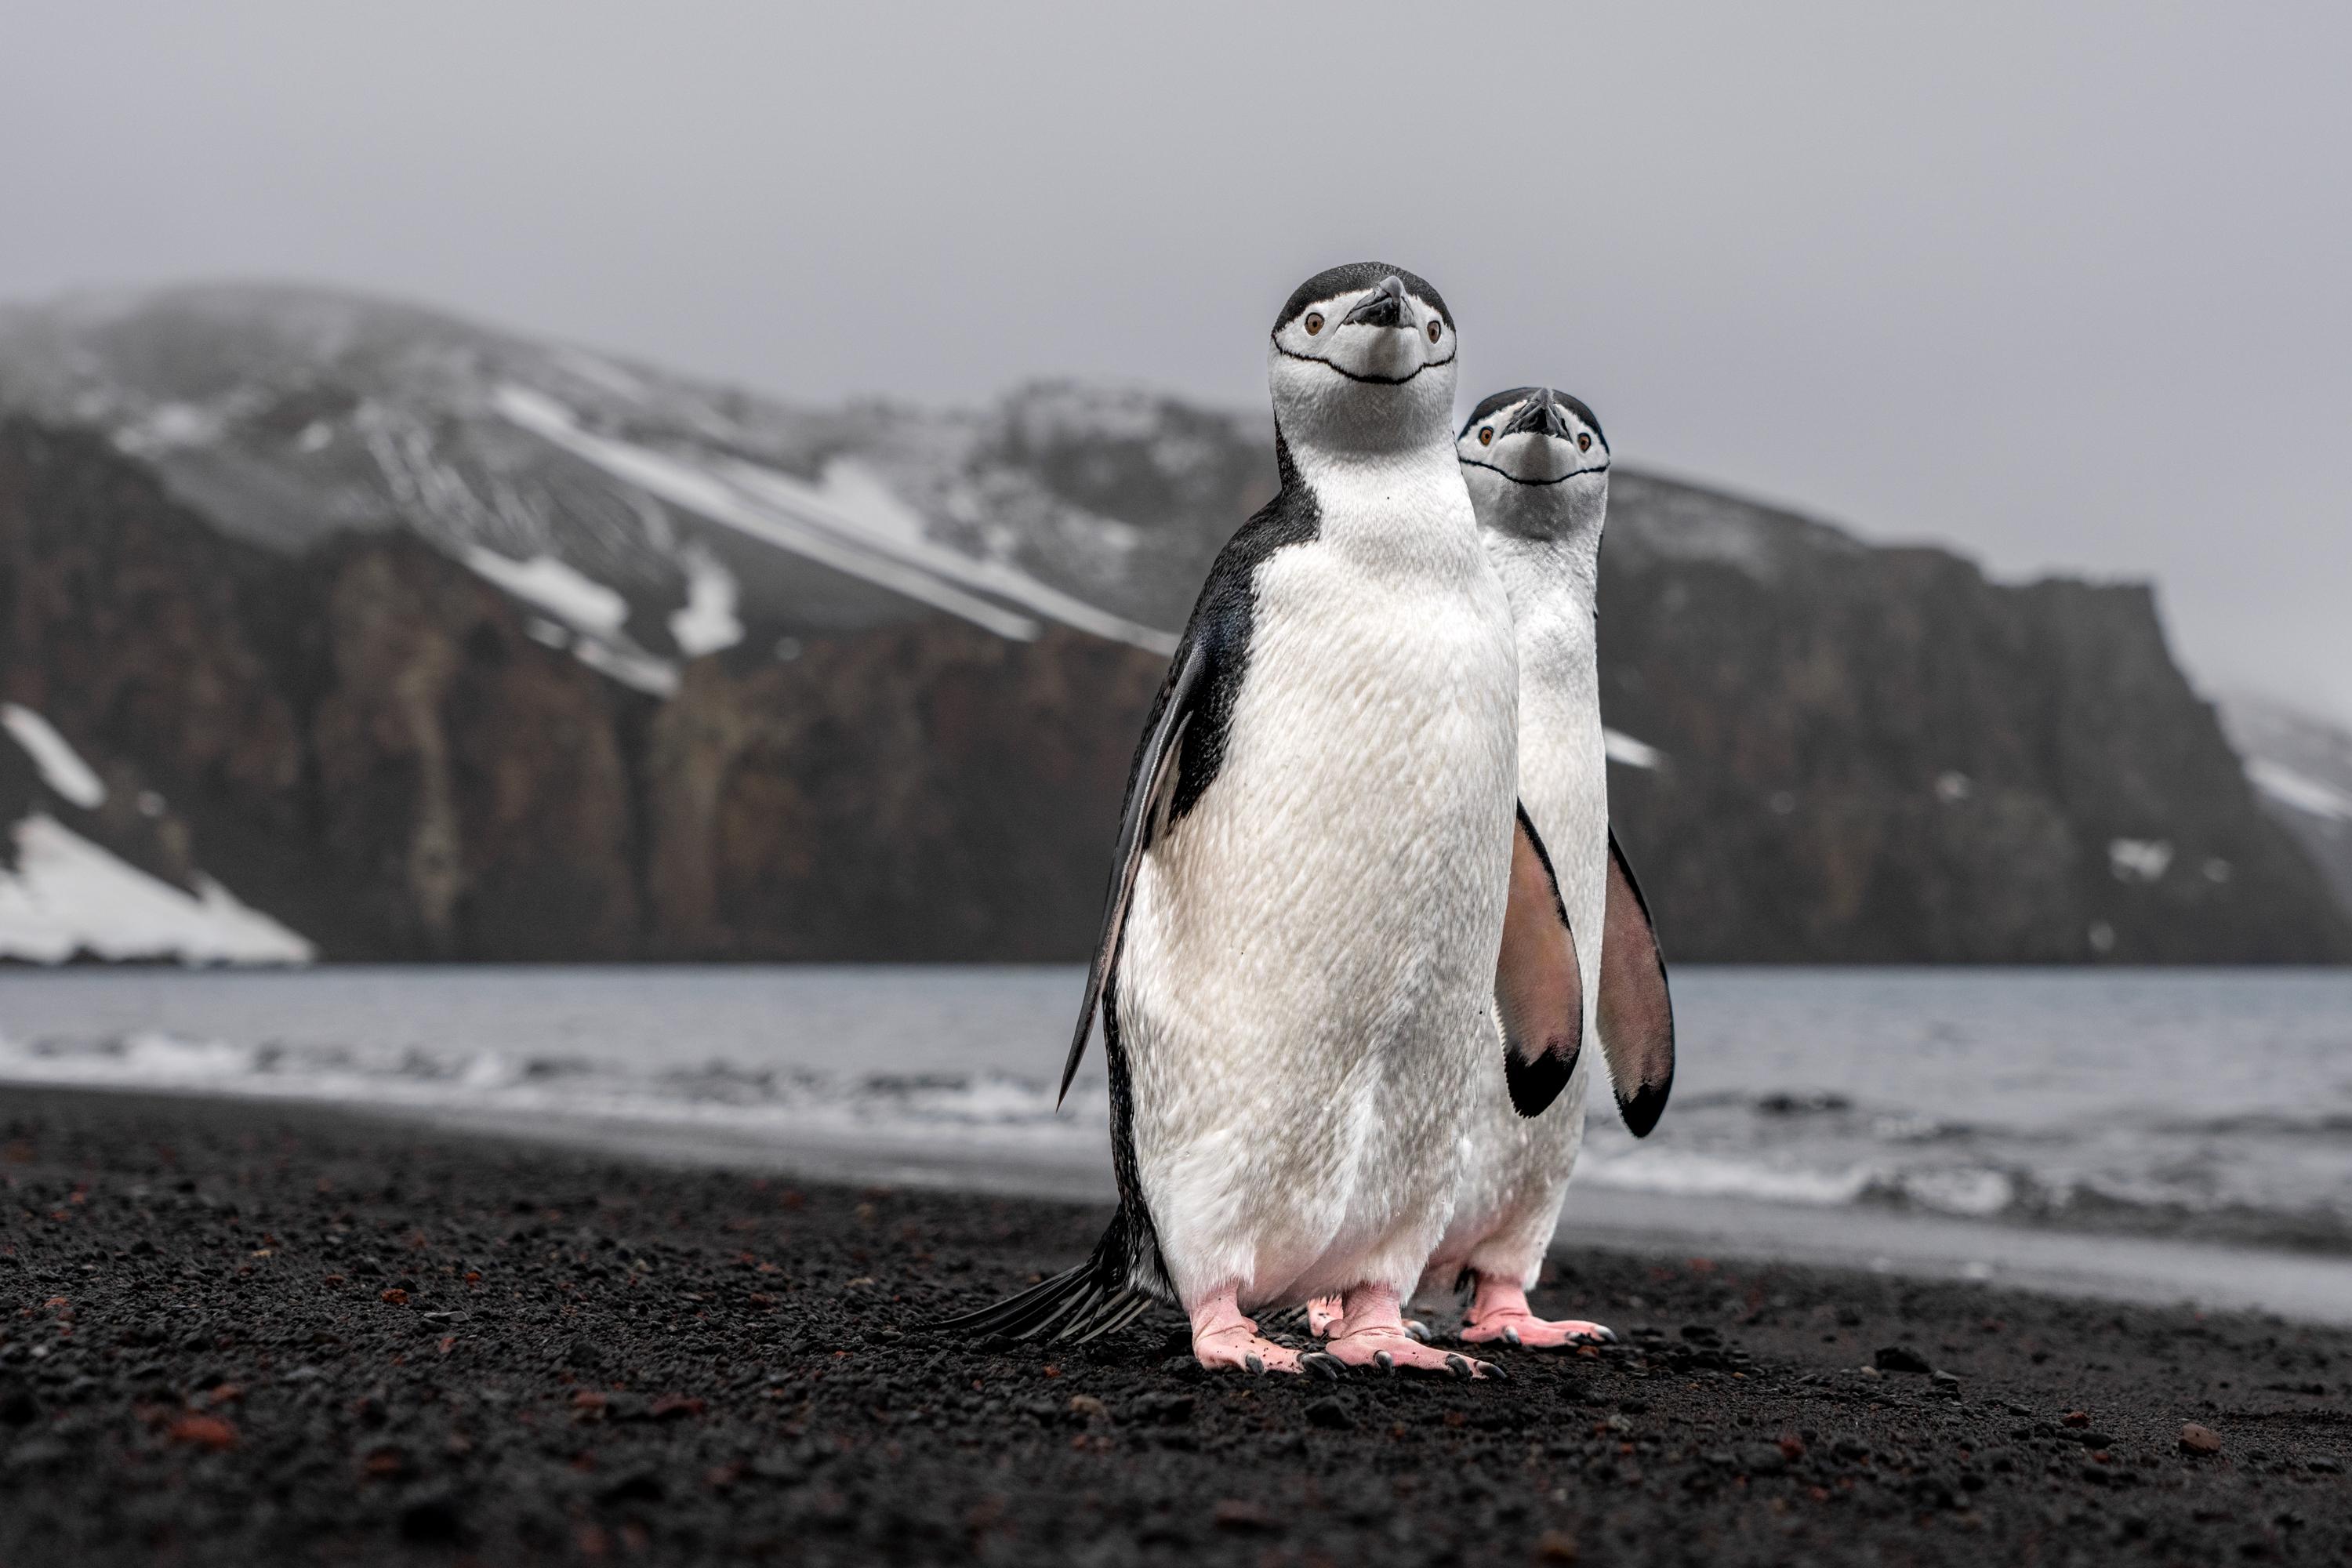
<point>1362,363</point>
<point>1536,461</point>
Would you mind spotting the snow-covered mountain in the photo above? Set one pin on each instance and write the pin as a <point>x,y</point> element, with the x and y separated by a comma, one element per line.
<point>2301,768</point>
<point>644,518</point>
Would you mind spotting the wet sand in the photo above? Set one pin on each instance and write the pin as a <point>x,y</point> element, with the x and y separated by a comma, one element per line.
<point>240,1334</point>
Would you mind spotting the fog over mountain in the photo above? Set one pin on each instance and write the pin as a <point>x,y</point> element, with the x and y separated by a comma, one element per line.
<point>2057,287</point>
<point>347,626</point>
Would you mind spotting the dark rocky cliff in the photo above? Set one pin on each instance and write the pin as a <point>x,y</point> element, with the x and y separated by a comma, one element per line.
<point>1879,755</point>
<point>365,742</point>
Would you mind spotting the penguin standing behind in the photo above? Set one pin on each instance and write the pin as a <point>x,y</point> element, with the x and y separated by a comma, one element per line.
<point>1299,950</point>
<point>1537,467</point>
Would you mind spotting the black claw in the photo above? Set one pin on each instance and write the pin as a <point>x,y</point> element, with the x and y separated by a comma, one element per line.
<point>1496,1372</point>
<point>1511,1336</point>
<point>1417,1329</point>
<point>1252,1362</point>
<point>1459,1368</point>
<point>1322,1365</point>
<point>1384,1361</point>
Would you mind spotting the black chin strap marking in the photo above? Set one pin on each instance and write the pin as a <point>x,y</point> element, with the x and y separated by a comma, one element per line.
<point>1531,484</point>
<point>1351,375</point>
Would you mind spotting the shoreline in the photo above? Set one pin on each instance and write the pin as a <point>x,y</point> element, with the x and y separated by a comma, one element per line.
<point>236,1332</point>
<point>2150,1269</point>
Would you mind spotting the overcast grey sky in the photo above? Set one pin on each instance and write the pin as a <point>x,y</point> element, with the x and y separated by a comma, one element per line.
<point>2067,288</point>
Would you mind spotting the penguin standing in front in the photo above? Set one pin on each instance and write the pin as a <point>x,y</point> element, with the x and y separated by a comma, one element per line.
<point>1313,876</point>
<point>1537,467</point>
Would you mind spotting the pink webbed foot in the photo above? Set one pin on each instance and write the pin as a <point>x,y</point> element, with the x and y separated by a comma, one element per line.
<point>1499,1311</point>
<point>1323,1315</point>
<point>1223,1338</point>
<point>1371,1332</point>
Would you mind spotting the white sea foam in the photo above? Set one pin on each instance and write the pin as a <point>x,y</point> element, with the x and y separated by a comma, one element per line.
<point>981,1112</point>
<point>1690,1173</point>
<point>2029,1098</point>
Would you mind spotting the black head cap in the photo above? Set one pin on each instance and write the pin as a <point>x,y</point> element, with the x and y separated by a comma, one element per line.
<point>1355,279</point>
<point>1550,399</point>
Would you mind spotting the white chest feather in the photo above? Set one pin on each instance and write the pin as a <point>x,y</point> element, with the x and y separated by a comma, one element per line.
<point>1312,949</point>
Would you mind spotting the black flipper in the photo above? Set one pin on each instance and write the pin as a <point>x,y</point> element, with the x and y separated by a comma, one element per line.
<point>1636,1013</point>
<point>1179,758</point>
<point>1149,787</point>
<point>1538,989</point>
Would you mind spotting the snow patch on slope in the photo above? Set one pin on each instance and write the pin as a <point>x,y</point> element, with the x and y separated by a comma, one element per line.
<point>61,766</point>
<point>590,608</point>
<point>629,665</point>
<point>68,896</point>
<point>2139,859</point>
<point>708,622</point>
<point>562,591</point>
<point>850,519</point>
<point>2299,790</point>
<point>1633,753</point>
<point>691,487</point>
<point>853,502</point>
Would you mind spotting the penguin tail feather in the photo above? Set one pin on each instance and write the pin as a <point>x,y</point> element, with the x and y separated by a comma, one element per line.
<point>1097,1298</point>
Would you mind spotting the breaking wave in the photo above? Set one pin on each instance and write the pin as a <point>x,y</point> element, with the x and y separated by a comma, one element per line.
<point>1824,1091</point>
<point>991,1107</point>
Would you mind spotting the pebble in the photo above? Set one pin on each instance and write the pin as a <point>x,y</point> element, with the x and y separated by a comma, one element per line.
<point>2196,1439</point>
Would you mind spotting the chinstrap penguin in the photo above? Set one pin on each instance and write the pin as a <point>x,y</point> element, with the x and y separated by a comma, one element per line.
<point>1299,953</point>
<point>1537,466</point>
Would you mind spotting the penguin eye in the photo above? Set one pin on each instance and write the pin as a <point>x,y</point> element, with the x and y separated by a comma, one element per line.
<point>1583,442</point>
<point>1435,328</point>
<point>1314,322</point>
<point>1486,436</point>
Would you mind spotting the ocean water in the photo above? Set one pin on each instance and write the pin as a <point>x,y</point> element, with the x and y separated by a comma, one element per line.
<point>2190,1106</point>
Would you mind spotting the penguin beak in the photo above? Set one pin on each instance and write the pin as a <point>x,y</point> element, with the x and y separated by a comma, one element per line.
<point>1539,415</point>
<point>1384,307</point>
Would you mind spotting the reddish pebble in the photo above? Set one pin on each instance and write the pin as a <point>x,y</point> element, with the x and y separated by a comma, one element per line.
<point>204,1432</point>
<point>2196,1439</point>
<point>1235,1513</point>
<point>2078,1418</point>
<point>671,1407</point>
<point>396,1297</point>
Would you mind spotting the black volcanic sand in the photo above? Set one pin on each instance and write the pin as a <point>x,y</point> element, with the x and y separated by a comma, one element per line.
<point>244,1334</point>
